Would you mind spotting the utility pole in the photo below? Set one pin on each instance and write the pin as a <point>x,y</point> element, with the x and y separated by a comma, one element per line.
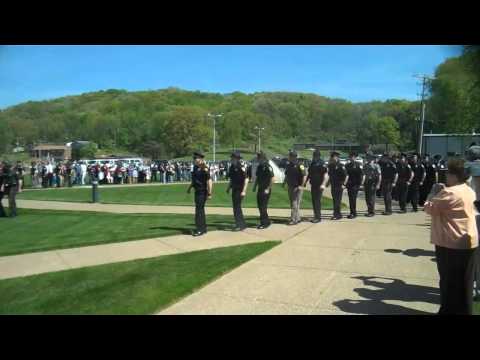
<point>214,123</point>
<point>424,79</point>
<point>259,130</point>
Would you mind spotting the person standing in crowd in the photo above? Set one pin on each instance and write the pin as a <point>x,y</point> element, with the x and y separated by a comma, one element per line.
<point>238,184</point>
<point>318,177</point>
<point>373,178</point>
<point>264,182</point>
<point>68,174</point>
<point>405,177</point>
<point>202,183</point>
<point>154,170</point>
<point>50,174</point>
<point>389,181</point>
<point>83,173</point>
<point>338,179</point>
<point>417,181</point>
<point>356,178</point>
<point>431,177</point>
<point>2,190</point>
<point>20,173</point>
<point>455,236</point>
<point>33,174</point>
<point>295,178</point>
<point>9,187</point>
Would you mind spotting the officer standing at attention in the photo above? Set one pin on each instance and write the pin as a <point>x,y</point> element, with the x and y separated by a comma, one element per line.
<point>389,181</point>
<point>9,187</point>
<point>264,181</point>
<point>356,178</point>
<point>431,177</point>
<point>338,179</point>
<point>202,183</point>
<point>417,181</point>
<point>296,178</point>
<point>238,183</point>
<point>405,177</point>
<point>373,178</point>
<point>318,177</point>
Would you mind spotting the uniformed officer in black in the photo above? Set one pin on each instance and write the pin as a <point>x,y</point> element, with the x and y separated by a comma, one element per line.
<point>417,181</point>
<point>238,184</point>
<point>389,181</point>
<point>373,178</point>
<point>295,177</point>
<point>405,177</point>
<point>9,187</point>
<point>264,181</point>
<point>396,161</point>
<point>356,179</point>
<point>318,177</point>
<point>441,169</point>
<point>2,191</point>
<point>431,177</point>
<point>337,179</point>
<point>202,183</point>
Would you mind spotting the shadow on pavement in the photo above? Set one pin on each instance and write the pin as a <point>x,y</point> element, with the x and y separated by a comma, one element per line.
<point>412,252</point>
<point>388,290</point>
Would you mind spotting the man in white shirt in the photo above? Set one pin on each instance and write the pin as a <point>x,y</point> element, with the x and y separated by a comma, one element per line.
<point>83,172</point>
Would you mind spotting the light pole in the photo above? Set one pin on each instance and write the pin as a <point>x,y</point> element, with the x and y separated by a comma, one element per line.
<point>424,79</point>
<point>259,130</point>
<point>214,120</point>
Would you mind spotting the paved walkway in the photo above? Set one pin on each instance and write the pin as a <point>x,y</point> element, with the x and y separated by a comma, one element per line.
<point>380,265</point>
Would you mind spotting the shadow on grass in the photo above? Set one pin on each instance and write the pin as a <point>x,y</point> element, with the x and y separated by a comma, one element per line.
<point>388,289</point>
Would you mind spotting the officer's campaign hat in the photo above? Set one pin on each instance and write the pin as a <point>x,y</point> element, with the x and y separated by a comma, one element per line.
<point>236,154</point>
<point>198,155</point>
<point>403,155</point>
<point>292,153</point>
<point>334,153</point>
<point>353,153</point>
<point>437,156</point>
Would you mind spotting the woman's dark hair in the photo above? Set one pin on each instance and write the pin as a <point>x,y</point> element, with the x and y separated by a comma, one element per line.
<point>457,167</point>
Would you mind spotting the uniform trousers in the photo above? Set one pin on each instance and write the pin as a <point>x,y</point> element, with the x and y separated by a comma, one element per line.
<point>295,196</point>
<point>237,208</point>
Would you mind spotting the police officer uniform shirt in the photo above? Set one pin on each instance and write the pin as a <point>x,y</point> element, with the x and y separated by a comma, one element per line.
<point>431,170</point>
<point>237,174</point>
<point>317,171</point>
<point>355,173</point>
<point>388,170</point>
<point>294,174</point>
<point>264,174</point>
<point>418,169</point>
<point>372,171</point>
<point>200,177</point>
<point>337,173</point>
<point>404,172</point>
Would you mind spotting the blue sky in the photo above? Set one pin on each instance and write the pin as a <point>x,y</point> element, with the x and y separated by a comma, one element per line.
<point>356,73</point>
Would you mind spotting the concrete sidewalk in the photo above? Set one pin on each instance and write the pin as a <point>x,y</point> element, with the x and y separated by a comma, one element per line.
<point>380,265</point>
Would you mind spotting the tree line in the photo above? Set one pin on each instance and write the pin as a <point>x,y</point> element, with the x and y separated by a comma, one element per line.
<point>173,122</point>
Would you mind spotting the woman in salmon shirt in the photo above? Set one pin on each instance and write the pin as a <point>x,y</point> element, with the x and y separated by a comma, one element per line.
<point>455,236</point>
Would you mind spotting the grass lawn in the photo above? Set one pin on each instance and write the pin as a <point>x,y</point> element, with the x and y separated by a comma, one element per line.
<point>167,195</point>
<point>132,287</point>
<point>41,230</point>
<point>476,308</point>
